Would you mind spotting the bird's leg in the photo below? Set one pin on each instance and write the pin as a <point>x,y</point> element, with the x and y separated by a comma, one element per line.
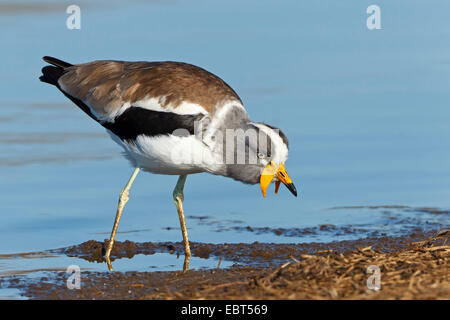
<point>123,199</point>
<point>178,197</point>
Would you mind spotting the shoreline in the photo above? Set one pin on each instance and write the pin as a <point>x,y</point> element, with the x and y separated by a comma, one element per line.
<point>410,267</point>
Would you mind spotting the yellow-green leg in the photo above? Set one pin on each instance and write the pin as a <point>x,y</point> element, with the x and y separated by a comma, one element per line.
<point>178,197</point>
<point>123,199</point>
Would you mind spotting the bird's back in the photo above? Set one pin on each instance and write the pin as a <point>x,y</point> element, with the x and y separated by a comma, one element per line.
<point>105,86</point>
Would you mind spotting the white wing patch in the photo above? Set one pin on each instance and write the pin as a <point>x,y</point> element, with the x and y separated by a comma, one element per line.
<point>154,104</point>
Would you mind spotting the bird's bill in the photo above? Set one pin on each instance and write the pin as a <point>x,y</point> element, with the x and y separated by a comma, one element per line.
<point>268,174</point>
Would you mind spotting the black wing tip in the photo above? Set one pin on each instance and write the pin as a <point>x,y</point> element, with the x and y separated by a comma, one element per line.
<point>56,62</point>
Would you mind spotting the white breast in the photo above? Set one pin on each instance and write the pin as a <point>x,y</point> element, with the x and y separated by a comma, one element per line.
<point>169,154</point>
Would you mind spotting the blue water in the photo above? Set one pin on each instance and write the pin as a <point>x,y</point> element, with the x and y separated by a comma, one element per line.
<point>366,112</point>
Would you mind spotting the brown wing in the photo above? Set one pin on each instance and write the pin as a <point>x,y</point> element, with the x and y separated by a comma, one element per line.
<point>106,85</point>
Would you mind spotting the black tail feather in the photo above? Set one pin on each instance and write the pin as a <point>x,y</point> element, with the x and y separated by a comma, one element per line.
<point>51,75</point>
<point>57,62</point>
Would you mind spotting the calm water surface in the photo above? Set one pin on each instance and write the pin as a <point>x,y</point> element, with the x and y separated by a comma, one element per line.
<point>366,112</point>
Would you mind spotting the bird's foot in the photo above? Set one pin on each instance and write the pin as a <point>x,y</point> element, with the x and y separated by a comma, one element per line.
<point>108,262</point>
<point>187,258</point>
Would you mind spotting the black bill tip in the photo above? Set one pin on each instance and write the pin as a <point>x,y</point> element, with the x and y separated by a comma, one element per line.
<point>291,188</point>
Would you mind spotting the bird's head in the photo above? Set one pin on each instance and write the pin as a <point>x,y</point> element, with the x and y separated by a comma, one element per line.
<point>270,149</point>
<point>274,160</point>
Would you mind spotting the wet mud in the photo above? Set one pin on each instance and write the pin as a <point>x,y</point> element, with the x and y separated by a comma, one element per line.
<point>254,254</point>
